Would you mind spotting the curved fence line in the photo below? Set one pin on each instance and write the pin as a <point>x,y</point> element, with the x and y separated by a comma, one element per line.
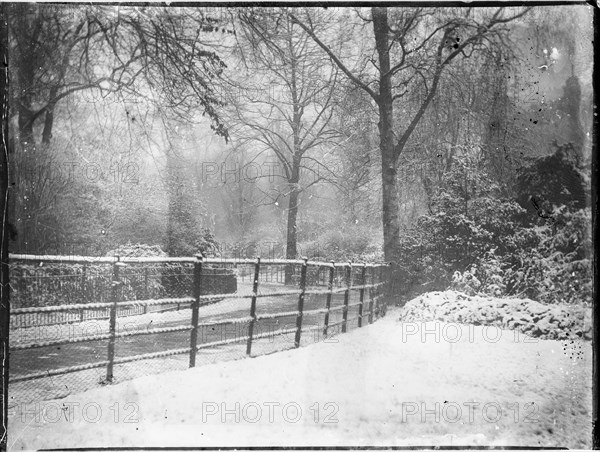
<point>189,260</point>
<point>366,280</point>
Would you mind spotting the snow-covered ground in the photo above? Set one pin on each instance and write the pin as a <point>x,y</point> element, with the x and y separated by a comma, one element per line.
<point>390,383</point>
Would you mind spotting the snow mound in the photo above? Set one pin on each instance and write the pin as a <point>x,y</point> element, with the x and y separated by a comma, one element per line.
<point>559,322</point>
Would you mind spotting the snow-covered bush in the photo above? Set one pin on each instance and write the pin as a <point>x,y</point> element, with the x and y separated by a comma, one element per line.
<point>466,282</point>
<point>479,242</point>
<point>484,278</point>
<point>137,250</point>
<point>552,265</point>
<point>557,266</point>
<point>135,285</point>
<point>352,244</point>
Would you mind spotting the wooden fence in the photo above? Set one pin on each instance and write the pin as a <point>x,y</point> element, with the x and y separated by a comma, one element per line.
<point>314,278</point>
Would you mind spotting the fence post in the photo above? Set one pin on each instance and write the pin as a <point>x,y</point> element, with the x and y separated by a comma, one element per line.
<point>372,281</point>
<point>389,283</point>
<point>378,294</point>
<point>195,306</point>
<point>363,282</point>
<point>253,306</point>
<point>115,287</point>
<point>329,297</point>
<point>301,303</point>
<point>347,296</point>
<point>178,279</point>
<point>83,277</point>
<point>145,288</point>
<point>384,287</point>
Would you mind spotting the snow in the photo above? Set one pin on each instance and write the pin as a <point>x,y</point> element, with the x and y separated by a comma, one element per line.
<point>364,386</point>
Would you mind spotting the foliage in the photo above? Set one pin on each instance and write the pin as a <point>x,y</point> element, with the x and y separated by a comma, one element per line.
<point>132,289</point>
<point>480,243</point>
<point>552,181</point>
<point>137,250</point>
<point>58,284</point>
<point>467,221</point>
<point>556,267</point>
<point>189,241</point>
<point>207,243</point>
<point>485,278</point>
<point>352,244</point>
<point>550,263</point>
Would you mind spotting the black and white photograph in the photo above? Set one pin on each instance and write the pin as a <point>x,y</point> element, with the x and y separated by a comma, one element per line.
<point>298,225</point>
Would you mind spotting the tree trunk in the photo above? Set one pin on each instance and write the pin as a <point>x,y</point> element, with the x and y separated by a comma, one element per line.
<point>49,118</point>
<point>389,159</point>
<point>391,224</point>
<point>391,210</point>
<point>389,155</point>
<point>291,251</point>
<point>26,137</point>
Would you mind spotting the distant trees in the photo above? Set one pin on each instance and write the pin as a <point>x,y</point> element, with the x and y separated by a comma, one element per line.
<point>184,231</point>
<point>357,151</point>
<point>162,58</point>
<point>242,192</point>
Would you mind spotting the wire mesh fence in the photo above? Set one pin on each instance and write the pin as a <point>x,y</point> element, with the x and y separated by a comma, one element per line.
<point>160,314</point>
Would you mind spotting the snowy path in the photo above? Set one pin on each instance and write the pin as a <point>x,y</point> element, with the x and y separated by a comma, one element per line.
<point>368,387</point>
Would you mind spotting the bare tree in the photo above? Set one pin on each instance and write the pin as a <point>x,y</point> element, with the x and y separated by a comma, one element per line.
<point>163,57</point>
<point>152,53</point>
<point>290,114</point>
<point>414,47</point>
<point>241,193</point>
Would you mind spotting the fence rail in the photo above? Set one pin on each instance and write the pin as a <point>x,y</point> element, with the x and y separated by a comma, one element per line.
<point>368,280</point>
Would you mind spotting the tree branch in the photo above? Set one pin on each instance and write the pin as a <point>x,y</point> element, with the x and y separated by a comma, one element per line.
<point>335,59</point>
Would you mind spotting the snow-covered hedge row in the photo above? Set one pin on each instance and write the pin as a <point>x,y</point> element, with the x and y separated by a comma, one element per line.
<point>528,316</point>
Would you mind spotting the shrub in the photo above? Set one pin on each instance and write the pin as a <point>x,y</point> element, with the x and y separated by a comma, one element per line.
<point>478,242</point>
<point>554,266</point>
<point>354,244</point>
<point>137,250</point>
